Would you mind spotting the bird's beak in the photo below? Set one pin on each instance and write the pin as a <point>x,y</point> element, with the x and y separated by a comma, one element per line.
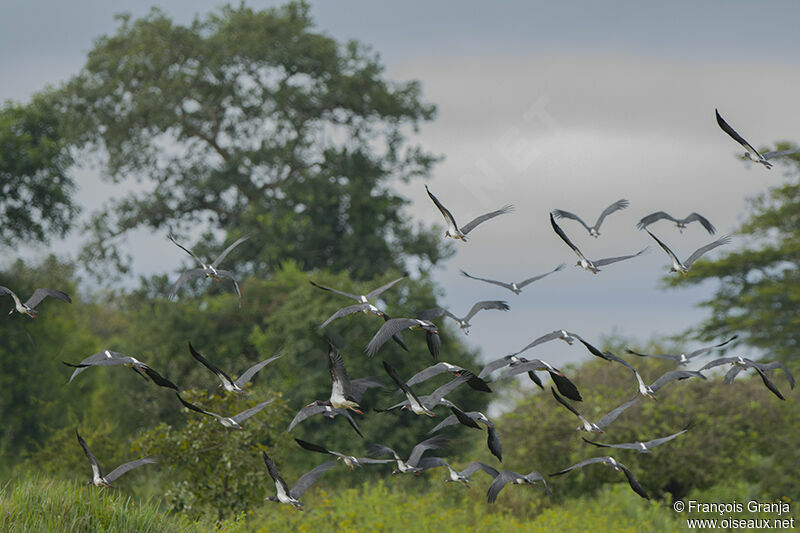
<point>356,410</point>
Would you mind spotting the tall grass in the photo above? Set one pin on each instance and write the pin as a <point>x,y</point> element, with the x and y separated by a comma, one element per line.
<point>37,504</point>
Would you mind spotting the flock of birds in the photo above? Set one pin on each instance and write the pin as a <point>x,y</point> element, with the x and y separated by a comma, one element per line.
<point>346,393</point>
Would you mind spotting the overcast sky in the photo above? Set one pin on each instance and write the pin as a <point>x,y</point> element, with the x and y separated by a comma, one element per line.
<point>569,105</point>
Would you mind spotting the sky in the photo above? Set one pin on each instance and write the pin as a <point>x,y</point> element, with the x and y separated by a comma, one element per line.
<point>569,105</point>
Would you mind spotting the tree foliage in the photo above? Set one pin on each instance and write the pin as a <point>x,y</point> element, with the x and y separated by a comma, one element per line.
<point>739,431</point>
<point>759,284</point>
<point>254,122</point>
<point>35,188</point>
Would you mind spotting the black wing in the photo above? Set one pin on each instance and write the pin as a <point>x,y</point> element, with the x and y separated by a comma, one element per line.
<point>736,137</point>
<point>442,209</point>
<point>205,362</point>
<point>92,459</point>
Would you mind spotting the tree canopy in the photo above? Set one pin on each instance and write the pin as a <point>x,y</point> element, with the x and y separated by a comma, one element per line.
<point>254,123</point>
<point>36,191</point>
<point>759,284</point>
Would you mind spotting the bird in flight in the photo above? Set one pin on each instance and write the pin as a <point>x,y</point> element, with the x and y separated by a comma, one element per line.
<point>743,363</point>
<point>583,261</point>
<point>452,227</point>
<point>28,308</point>
<point>749,152</point>
<point>594,231</point>
<point>684,358</point>
<point>679,222</point>
<point>393,326</point>
<point>235,421</point>
<point>683,267</point>
<point>349,460</point>
<point>463,322</point>
<point>292,496</point>
<point>227,383</point>
<point>98,479</point>
<point>516,287</point>
<point>616,465</point>
<point>507,476</point>
<point>109,358</point>
<point>410,465</point>
<point>643,447</point>
<point>208,271</point>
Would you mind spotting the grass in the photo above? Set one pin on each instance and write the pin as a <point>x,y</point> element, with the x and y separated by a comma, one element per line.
<point>37,504</point>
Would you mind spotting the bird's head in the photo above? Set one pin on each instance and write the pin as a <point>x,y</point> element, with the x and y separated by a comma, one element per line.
<point>594,233</point>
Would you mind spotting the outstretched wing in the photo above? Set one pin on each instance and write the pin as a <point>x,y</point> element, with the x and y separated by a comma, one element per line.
<point>486,304</point>
<point>614,414</point>
<point>777,364</point>
<point>158,379</point>
<point>345,311</point>
<point>616,206</point>
<point>736,137</point>
<point>560,233</point>
<point>583,463</point>
<point>186,276</point>
<point>474,466</point>
<point>609,260</point>
<point>227,250</point>
<point>337,291</point>
<point>433,443</point>
<point>769,384</point>
<point>528,281</point>
<point>40,294</point>
<point>244,415</point>
<point>188,251</point>
<point>654,217</point>
<point>664,247</point>
<point>195,408</point>
<point>121,469</point>
<point>274,474</point>
<point>500,481</point>
<point>633,482</point>
<point>781,153</point>
<point>725,239</point>
<point>209,365</point>
<point>560,213</point>
<point>709,348</point>
<point>492,281</point>
<point>98,472</point>
<point>377,292</point>
<point>469,226</point>
<point>386,332</point>
<point>672,375</point>
<point>248,374</point>
<point>229,275</point>
<point>448,216</point>
<point>702,220</point>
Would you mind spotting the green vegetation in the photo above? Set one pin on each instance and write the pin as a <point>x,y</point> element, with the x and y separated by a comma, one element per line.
<point>37,504</point>
<point>253,122</point>
<point>36,191</point>
<point>759,284</point>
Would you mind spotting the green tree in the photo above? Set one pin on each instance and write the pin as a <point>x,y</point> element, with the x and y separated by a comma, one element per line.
<point>35,188</point>
<point>35,399</point>
<point>254,122</point>
<point>759,284</point>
